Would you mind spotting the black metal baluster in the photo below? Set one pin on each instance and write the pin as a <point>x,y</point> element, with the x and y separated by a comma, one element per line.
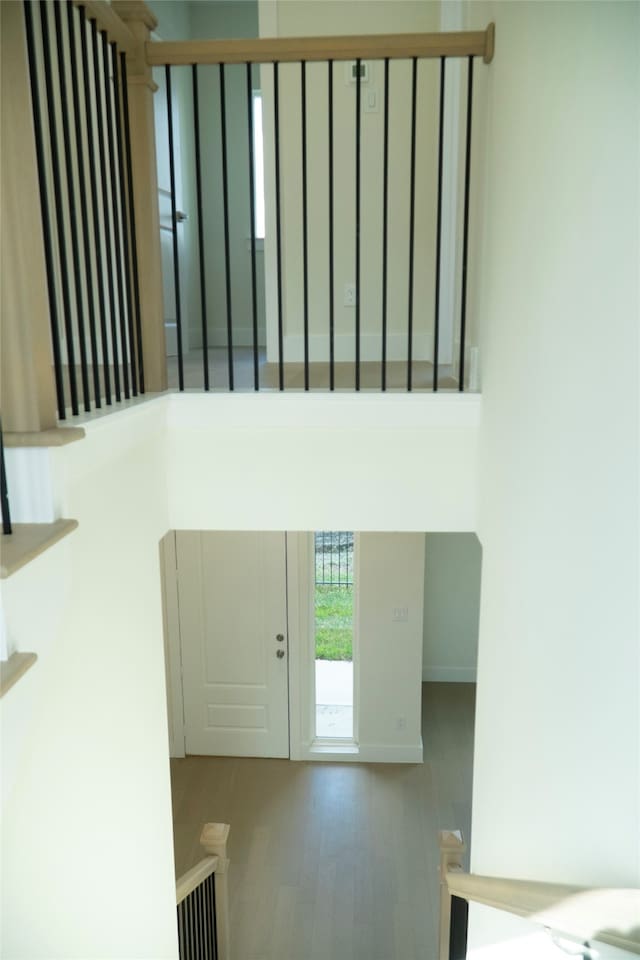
<point>181,929</point>
<point>174,227</point>
<point>44,209</point>
<point>106,210</point>
<point>132,222</point>
<point>436,332</point>
<point>252,216</point>
<point>465,239</point>
<point>385,218</point>
<point>57,194</point>
<point>214,916</point>
<point>84,217</point>
<point>4,492</point>
<point>358,98</point>
<point>199,919</point>
<point>305,241</point>
<point>203,282</point>
<point>276,129</point>
<point>116,213</point>
<point>412,218</point>
<point>95,210</point>
<point>66,106</point>
<point>123,205</point>
<point>207,922</point>
<point>331,265</point>
<point>192,934</point>
<point>225,197</point>
<point>185,921</point>
<point>458,929</point>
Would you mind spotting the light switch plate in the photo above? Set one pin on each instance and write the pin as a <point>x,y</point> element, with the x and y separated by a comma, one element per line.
<point>400,614</point>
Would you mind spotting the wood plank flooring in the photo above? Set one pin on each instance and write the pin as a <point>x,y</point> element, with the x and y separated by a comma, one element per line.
<point>334,861</point>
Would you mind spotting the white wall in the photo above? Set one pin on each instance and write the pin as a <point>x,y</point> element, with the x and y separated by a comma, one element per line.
<point>556,770</point>
<point>86,807</point>
<point>451,606</point>
<point>322,462</point>
<point>390,574</point>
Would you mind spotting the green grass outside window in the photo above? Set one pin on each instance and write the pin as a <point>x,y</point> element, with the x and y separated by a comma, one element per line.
<point>334,623</point>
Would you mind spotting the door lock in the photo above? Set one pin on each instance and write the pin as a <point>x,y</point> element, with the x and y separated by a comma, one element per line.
<point>279,637</point>
<point>280,654</point>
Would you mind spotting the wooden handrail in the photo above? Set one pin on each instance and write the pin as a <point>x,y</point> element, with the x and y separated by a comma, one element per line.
<point>478,43</point>
<point>609,915</point>
<point>188,882</point>
<point>452,848</point>
<point>213,841</point>
<point>109,21</point>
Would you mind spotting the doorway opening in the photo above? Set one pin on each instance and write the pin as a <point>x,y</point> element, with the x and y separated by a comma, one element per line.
<point>334,621</point>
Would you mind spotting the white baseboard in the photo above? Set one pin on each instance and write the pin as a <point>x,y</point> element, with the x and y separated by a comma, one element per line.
<point>449,674</point>
<point>344,344</point>
<point>385,753</point>
<point>242,337</point>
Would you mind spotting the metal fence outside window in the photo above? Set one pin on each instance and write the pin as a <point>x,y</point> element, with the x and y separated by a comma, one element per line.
<point>334,558</point>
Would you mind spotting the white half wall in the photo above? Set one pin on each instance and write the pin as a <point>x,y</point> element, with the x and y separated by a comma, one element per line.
<point>322,462</point>
<point>87,844</point>
<point>557,753</point>
<point>451,607</point>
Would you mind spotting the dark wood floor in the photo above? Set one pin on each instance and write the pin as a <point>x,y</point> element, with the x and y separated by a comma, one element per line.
<point>334,861</point>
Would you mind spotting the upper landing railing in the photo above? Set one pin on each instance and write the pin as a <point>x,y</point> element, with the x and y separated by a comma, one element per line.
<point>361,188</point>
<point>362,282</point>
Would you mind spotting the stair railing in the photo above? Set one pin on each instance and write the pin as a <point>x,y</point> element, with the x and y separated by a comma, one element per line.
<point>202,900</point>
<point>582,914</point>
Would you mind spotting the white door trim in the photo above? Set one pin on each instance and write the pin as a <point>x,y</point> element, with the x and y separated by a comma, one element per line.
<point>172,646</point>
<point>297,619</point>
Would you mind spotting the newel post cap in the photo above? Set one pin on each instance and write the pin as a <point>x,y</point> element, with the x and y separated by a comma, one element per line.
<point>213,839</point>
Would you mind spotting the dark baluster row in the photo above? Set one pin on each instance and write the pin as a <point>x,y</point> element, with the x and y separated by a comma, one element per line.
<point>83,147</point>
<point>204,255</point>
<point>197,934</point>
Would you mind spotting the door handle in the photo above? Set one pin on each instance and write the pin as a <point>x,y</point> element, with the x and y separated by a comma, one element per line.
<point>280,654</point>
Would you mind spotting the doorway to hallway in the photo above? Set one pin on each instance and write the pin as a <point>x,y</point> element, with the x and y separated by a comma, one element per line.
<point>334,633</point>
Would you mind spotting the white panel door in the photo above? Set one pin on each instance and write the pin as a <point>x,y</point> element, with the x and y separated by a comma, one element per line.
<point>232,594</point>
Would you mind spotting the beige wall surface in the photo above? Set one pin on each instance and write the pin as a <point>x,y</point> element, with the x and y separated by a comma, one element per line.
<point>317,17</point>
<point>390,572</point>
<point>451,606</point>
<point>211,21</point>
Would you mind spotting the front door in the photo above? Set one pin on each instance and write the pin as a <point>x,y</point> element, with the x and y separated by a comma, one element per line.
<point>233,629</point>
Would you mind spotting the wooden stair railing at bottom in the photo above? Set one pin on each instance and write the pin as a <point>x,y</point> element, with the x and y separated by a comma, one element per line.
<point>215,864</point>
<point>582,914</point>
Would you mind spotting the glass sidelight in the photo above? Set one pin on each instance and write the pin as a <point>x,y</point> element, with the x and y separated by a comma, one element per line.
<point>334,621</point>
